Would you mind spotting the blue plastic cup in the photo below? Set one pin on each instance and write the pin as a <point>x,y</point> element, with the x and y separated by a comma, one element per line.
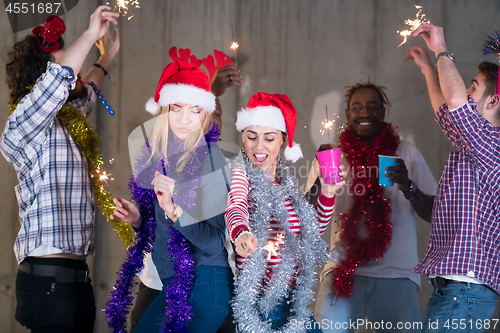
<point>384,162</point>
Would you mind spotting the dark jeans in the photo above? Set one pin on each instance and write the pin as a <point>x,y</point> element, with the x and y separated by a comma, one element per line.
<point>145,296</point>
<point>210,296</point>
<point>46,306</point>
<point>280,314</point>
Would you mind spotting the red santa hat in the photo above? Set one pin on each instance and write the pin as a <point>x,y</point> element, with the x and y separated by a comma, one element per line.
<point>275,111</point>
<point>182,82</point>
<point>48,35</point>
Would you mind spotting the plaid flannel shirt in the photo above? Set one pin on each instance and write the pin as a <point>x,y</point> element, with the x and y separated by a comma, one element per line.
<point>54,192</point>
<point>465,228</point>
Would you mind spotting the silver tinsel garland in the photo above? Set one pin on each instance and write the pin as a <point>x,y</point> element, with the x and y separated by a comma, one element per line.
<point>300,254</point>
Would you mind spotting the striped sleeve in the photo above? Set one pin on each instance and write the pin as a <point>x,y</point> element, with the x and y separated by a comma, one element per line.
<point>324,208</point>
<point>237,203</point>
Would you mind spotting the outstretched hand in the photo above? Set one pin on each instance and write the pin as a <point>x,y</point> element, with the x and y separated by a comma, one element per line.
<point>420,56</point>
<point>433,37</point>
<point>127,212</point>
<point>109,45</point>
<point>100,19</point>
<point>225,77</point>
<point>245,245</point>
<point>329,190</point>
<point>398,174</point>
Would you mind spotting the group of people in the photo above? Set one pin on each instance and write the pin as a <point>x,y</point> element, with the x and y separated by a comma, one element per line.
<point>192,207</point>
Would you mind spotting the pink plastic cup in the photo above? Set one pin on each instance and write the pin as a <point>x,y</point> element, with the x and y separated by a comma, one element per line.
<point>329,161</point>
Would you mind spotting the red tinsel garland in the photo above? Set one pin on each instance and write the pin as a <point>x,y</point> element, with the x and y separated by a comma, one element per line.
<point>368,205</point>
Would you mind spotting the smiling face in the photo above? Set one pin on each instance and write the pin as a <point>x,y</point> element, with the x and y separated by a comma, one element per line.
<point>365,113</point>
<point>184,119</point>
<point>262,146</point>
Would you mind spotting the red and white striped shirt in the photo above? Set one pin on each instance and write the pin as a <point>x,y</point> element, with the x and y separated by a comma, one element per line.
<point>237,216</point>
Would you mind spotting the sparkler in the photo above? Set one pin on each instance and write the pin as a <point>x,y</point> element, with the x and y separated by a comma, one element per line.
<point>413,24</point>
<point>234,46</point>
<point>272,246</point>
<point>104,177</point>
<point>327,124</point>
<point>123,6</point>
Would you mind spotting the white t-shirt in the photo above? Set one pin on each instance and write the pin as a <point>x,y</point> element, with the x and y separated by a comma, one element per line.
<point>401,255</point>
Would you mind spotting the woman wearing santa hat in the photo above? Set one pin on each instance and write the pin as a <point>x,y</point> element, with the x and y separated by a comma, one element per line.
<point>276,233</point>
<point>180,192</point>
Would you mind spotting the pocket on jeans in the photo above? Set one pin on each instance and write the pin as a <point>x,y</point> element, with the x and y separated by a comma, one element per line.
<point>223,286</point>
<point>482,308</point>
<point>24,310</point>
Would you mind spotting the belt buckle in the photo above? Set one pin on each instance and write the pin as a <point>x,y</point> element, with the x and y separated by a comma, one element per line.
<point>87,278</point>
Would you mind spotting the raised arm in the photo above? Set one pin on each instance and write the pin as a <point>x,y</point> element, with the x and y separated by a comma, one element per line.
<point>75,55</point>
<point>422,60</point>
<point>108,47</point>
<point>236,214</point>
<point>452,85</point>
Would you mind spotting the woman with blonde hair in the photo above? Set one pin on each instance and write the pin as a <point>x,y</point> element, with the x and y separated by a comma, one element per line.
<point>180,219</point>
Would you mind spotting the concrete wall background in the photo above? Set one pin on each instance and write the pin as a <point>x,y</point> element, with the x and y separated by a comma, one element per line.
<point>308,50</point>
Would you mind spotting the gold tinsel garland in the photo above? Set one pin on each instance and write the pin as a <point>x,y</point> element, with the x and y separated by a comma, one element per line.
<point>87,142</point>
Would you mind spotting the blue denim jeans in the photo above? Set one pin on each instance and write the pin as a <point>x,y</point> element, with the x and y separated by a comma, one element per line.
<point>460,307</point>
<point>280,314</point>
<point>210,296</point>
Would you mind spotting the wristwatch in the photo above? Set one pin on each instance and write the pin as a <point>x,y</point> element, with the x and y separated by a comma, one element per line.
<point>175,214</point>
<point>412,192</point>
<point>445,54</point>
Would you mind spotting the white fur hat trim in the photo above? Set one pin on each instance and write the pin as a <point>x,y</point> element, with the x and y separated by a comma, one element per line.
<point>293,154</point>
<point>182,93</point>
<point>264,116</point>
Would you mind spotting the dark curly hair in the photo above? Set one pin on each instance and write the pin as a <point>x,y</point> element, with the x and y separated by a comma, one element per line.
<point>378,89</point>
<point>25,64</point>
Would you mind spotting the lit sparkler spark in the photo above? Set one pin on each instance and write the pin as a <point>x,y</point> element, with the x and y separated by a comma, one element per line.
<point>413,24</point>
<point>234,46</point>
<point>124,5</point>
<point>272,246</point>
<point>327,124</point>
<point>104,177</point>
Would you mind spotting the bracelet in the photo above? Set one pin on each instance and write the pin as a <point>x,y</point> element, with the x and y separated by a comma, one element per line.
<point>236,225</point>
<point>243,233</point>
<point>105,71</point>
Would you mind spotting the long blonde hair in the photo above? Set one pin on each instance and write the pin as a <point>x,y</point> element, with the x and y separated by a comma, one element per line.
<point>160,138</point>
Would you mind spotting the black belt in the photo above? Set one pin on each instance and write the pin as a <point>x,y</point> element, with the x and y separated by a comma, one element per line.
<point>62,274</point>
<point>442,282</point>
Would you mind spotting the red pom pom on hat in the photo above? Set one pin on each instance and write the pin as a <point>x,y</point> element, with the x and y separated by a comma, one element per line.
<point>275,111</point>
<point>48,35</point>
<point>182,82</point>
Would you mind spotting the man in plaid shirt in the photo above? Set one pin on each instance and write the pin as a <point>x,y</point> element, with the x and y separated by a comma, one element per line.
<point>462,256</point>
<point>55,197</point>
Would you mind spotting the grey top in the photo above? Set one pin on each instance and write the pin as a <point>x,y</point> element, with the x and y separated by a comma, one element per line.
<point>205,226</point>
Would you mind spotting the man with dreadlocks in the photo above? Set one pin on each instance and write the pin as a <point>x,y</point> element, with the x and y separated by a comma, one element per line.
<point>462,256</point>
<point>55,196</point>
<point>373,237</point>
